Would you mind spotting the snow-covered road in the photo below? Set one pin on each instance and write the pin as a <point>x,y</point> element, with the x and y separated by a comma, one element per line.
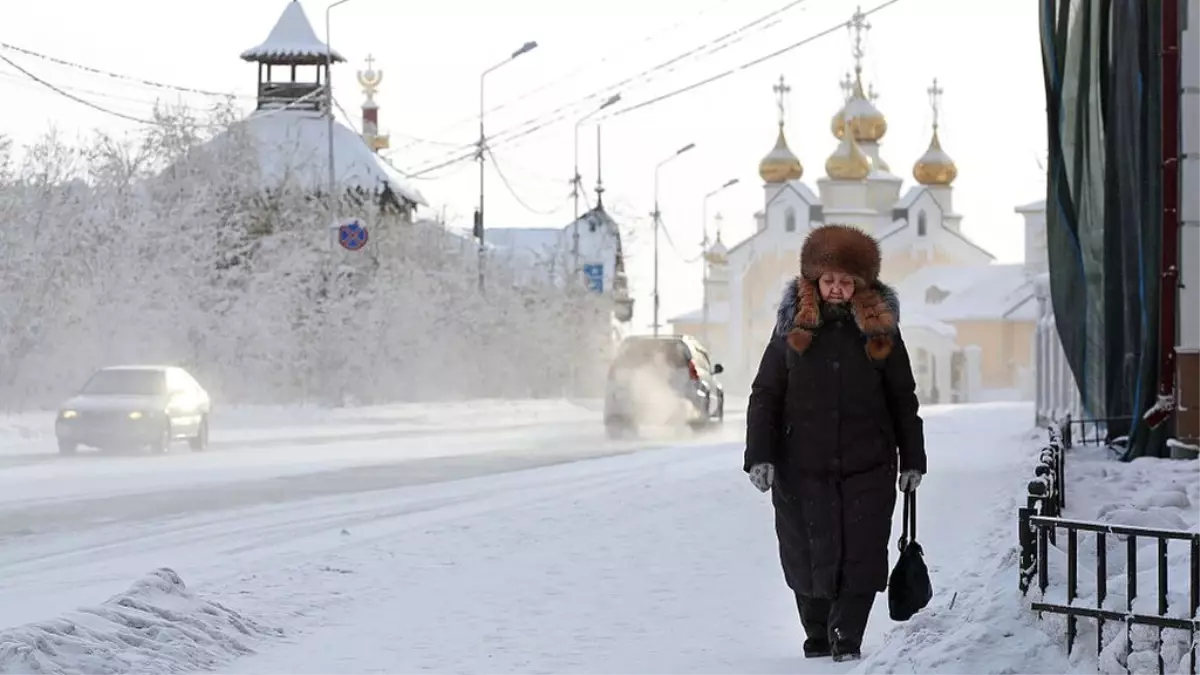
<point>656,561</point>
<point>60,516</point>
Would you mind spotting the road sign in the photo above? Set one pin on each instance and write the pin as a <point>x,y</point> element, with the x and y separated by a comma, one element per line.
<point>595,277</point>
<point>352,235</point>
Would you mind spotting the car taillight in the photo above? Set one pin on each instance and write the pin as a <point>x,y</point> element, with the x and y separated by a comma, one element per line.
<point>692,371</point>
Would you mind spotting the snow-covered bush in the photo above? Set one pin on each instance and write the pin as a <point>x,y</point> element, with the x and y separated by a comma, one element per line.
<point>164,247</point>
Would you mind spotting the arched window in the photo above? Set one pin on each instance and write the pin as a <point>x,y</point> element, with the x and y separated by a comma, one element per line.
<point>922,224</point>
<point>789,220</point>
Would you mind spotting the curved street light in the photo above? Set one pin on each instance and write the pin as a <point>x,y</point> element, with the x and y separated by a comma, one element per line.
<point>482,147</point>
<point>657,216</point>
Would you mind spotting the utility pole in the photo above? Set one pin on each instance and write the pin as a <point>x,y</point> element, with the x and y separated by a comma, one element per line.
<point>481,150</point>
<point>577,181</point>
<point>657,218</point>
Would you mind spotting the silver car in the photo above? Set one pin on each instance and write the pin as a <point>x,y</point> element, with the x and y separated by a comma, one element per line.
<point>135,406</point>
<point>668,379</point>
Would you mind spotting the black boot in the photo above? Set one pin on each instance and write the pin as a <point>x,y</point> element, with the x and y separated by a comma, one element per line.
<point>847,622</point>
<point>844,650</point>
<point>815,648</point>
<point>814,616</point>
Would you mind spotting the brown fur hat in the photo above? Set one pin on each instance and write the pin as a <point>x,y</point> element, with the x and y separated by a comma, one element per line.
<point>840,248</point>
<point>876,307</point>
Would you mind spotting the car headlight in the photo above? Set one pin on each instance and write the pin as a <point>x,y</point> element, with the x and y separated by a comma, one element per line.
<point>135,415</point>
<point>69,414</point>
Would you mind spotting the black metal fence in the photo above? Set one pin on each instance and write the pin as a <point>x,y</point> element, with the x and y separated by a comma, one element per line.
<point>1046,497</point>
<point>1043,526</point>
<point>1094,430</point>
<point>1039,522</point>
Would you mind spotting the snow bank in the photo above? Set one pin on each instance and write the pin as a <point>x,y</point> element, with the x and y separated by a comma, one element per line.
<point>977,622</point>
<point>990,628</point>
<point>158,626</point>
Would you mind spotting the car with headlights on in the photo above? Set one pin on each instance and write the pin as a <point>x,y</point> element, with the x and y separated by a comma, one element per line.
<point>135,406</point>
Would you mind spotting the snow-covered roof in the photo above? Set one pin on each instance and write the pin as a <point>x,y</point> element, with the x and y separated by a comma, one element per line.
<point>718,312</point>
<point>294,145</point>
<point>971,293</point>
<point>545,242</point>
<point>1032,207</point>
<point>292,40</point>
<point>918,319</point>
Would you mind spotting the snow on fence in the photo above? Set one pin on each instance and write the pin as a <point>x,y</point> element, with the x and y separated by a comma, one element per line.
<point>1046,497</point>
<point>1139,625</point>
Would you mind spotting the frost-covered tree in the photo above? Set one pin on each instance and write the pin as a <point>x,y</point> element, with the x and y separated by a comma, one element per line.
<point>168,247</point>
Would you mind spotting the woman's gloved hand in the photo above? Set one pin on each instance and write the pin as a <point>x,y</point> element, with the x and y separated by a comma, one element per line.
<point>910,480</point>
<point>762,476</point>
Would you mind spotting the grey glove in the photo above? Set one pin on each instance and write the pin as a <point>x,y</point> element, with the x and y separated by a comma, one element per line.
<point>762,476</point>
<point>910,480</point>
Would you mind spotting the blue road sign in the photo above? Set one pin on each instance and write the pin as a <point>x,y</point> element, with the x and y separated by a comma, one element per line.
<point>595,277</point>
<point>352,235</point>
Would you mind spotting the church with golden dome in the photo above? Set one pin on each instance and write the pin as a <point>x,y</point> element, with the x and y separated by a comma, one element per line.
<point>969,321</point>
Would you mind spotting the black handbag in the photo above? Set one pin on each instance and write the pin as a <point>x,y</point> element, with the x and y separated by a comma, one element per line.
<point>909,588</point>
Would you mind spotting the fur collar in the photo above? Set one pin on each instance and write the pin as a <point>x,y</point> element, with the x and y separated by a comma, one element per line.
<point>876,311</point>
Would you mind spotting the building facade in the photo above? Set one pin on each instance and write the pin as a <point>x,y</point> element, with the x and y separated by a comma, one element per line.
<point>968,321</point>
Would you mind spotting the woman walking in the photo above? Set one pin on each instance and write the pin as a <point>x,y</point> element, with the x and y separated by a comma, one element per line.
<point>833,418</point>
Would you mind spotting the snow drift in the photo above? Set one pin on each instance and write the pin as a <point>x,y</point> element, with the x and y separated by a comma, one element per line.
<point>158,625</point>
<point>990,628</point>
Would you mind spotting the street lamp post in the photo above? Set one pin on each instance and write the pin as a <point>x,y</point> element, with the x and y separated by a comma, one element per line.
<point>479,222</point>
<point>704,254</point>
<point>332,197</point>
<point>577,180</point>
<point>657,217</point>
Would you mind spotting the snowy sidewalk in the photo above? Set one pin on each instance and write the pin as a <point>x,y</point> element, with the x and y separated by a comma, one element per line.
<point>671,569</point>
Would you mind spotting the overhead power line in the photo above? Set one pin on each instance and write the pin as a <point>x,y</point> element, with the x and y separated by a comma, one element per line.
<point>744,66</point>
<point>671,242</point>
<point>562,112</point>
<point>517,197</point>
<point>119,76</point>
<point>73,97</point>
<point>506,137</point>
<point>622,49</point>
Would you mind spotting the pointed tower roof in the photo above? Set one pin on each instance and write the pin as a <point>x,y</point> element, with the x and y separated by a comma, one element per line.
<point>291,42</point>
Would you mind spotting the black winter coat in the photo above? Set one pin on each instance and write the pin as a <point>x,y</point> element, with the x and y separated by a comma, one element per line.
<point>838,426</point>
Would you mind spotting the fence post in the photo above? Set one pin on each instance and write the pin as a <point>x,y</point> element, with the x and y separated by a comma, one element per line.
<point>1028,546</point>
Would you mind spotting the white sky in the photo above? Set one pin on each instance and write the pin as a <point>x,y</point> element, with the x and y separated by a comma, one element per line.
<point>984,54</point>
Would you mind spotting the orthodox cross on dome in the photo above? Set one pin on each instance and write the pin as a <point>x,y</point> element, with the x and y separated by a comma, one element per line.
<point>370,79</point>
<point>858,26</point>
<point>935,100</point>
<point>847,85</point>
<point>719,220</point>
<point>872,95</point>
<point>781,91</point>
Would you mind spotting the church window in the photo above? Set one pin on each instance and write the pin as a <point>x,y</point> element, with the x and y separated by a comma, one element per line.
<point>922,224</point>
<point>789,220</point>
<point>935,295</point>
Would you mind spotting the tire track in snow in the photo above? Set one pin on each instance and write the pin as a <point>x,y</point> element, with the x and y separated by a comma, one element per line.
<point>234,546</point>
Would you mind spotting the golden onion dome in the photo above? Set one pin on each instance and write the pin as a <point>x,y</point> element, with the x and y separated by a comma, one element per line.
<point>848,161</point>
<point>868,123</point>
<point>781,164</point>
<point>718,253</point>
<point>935,167</point>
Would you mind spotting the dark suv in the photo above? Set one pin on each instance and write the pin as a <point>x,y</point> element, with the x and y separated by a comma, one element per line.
<point>668,379</point>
